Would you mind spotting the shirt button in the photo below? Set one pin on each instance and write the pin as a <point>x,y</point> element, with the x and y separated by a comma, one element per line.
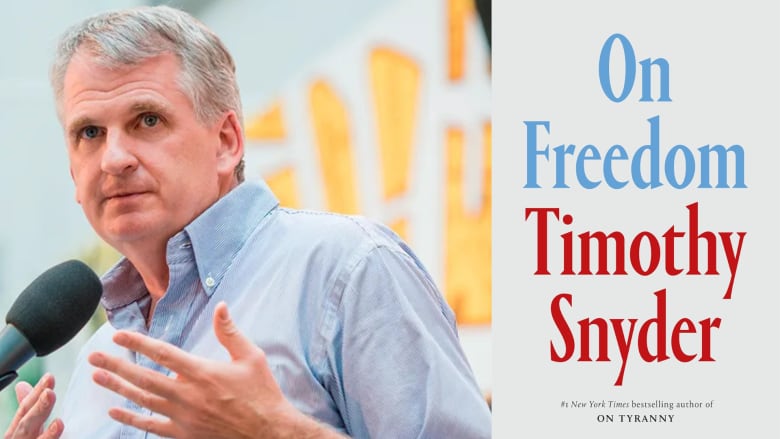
<point>210,282</point>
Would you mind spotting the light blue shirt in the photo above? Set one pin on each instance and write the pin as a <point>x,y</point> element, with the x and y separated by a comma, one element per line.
<point>355,331</point>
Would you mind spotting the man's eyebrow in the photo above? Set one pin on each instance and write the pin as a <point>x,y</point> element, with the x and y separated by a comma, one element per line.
<point>146,106</point>
<point>77,124</point>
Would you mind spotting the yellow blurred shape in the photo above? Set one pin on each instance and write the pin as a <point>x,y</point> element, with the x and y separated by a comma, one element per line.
<point>268,125</point>
<point>395,83</point>
<point>467,266</point>
<point>331,133</point>
<point>282,184</point>
<point>458,12</point>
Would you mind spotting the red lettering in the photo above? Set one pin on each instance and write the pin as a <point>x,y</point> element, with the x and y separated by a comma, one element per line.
<point>541,236</point>
<point>625,336</point>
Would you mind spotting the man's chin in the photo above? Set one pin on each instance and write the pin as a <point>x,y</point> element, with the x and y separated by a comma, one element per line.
<point>126,231</point>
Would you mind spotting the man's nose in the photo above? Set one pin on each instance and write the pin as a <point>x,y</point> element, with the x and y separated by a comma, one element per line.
<point>118,157</point>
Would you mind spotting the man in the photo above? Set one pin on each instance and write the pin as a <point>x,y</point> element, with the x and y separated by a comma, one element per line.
<point>334,326</point>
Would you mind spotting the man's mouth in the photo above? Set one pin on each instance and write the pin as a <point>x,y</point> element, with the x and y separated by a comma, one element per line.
<point>124,195</point>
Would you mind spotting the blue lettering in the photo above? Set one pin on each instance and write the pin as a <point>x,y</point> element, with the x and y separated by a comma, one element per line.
<point>532,151</point>
<point>629,59</point>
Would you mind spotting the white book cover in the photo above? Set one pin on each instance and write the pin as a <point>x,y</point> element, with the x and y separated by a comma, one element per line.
<point>635,219</point>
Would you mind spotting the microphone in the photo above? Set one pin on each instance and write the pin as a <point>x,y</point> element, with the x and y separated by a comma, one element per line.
<point>47,314</point>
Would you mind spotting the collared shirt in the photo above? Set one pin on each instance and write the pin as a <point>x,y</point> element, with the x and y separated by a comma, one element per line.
<point>354,330</point>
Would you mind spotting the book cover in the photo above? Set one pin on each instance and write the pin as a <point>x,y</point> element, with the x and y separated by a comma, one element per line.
<point>635,252</point>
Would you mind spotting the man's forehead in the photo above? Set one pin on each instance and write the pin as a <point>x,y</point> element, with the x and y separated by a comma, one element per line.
<point>88,78</point>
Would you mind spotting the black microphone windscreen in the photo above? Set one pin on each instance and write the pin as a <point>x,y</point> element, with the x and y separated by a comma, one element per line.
<point>56,305</point>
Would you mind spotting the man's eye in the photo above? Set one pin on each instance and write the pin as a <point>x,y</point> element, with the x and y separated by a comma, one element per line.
<point>150,120</point>
<point>90,132</point>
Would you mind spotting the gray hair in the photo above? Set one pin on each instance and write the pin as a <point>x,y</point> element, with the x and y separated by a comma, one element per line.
<point>128,37</point>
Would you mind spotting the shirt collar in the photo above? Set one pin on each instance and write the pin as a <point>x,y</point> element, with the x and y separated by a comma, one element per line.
<point>216,236</point>
<point>220,232</point>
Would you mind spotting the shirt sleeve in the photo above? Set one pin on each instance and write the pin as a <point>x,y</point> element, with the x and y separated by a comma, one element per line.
<point>398,369</point>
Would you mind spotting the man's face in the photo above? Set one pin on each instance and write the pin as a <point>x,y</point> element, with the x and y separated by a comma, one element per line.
<point>143,164</point>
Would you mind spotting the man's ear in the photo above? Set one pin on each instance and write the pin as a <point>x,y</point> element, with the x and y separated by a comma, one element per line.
<point>231,143</point>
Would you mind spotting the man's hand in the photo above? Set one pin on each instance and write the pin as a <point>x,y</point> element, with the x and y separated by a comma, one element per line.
<point>204,398</point>
<point>35,405</point>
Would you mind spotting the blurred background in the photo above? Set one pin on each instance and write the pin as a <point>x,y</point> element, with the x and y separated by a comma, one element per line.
<point>371,107</point>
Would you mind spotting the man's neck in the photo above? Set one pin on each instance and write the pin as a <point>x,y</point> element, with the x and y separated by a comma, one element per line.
<point>151,264</point>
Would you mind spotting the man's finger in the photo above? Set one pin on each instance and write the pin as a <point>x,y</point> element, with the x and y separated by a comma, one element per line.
<point>156,425</point>
<point>229,336</point>
<point>162,353</point>
<point>149,380</point>
<point>22,389</point>
<point>144,398</point>
<point>54,431</point>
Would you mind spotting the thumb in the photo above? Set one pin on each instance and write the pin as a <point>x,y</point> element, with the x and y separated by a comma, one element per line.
<point>237,345</point>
